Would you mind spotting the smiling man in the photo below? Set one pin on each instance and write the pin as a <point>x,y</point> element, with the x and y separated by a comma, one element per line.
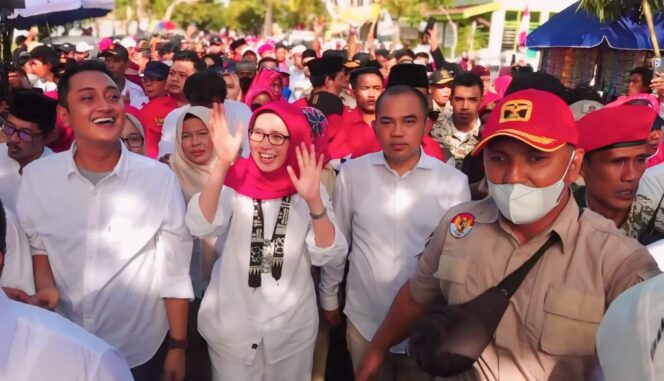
<point>612,167</point>
<point>531,154</point>
<point>26,128</point>
<point>106,231</point>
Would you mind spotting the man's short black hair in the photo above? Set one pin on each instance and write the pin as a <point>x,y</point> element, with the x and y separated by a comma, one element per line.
<point>400,90</point>
<point>190,56</point>
<point>63,84</point>
<point>401,53</point>
<point>645,73</point>
<point>356,74</point>
<point>20,40</point>
<point>266,59</point>
<point>467,79</point>
<point>204,88</point>
<point>422,55</point>
<point>216,58</point>
<point>3,229</point>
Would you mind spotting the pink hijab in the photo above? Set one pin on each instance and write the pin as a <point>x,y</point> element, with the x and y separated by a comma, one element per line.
<point>262,82</point>
<point>304,126</point>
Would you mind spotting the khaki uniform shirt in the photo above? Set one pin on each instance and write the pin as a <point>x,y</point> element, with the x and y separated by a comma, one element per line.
<point>548,330</point>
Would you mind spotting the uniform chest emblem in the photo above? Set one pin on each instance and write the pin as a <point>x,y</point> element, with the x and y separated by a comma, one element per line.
<point>461,225</point>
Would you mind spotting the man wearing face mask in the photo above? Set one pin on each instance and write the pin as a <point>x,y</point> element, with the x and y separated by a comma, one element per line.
<point>547,331</point>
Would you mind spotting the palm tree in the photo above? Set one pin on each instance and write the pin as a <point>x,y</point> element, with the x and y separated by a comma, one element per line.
<point>613,9</point>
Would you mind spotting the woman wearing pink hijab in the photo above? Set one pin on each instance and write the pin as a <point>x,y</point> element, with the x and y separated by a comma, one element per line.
<point>259,313</point>
<point>266,86</point>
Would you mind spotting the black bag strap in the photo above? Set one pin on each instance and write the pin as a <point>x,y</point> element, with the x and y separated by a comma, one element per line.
<point>511,283</point>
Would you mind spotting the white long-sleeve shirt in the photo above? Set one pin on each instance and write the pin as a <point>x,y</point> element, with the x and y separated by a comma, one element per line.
<point>234,317</point>
<point>387,219</point>
<point>116,248</point>
<point>36,344</point>
<point>17,270</point>
<point>10,177</point>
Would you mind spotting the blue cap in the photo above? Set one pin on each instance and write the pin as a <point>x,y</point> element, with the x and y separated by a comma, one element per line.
<point>156,69</point>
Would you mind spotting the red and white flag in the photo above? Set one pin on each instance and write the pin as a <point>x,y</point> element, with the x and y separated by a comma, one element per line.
<point>524,28</point>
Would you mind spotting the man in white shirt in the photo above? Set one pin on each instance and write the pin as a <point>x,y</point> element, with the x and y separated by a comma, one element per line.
<point>202,89</point>
<point>106,230</point>
<point>39,345</point>
<point>117,60</point>
<point>26,129</point>
<point>388,203</point>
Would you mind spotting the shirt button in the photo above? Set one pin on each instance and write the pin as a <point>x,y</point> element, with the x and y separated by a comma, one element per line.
<point>254,346</point>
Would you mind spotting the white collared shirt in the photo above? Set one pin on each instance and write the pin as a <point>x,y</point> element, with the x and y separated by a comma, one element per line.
<point>238,115</point>
<point>116,248</point>
<point>137,97</point>
<point>9,176</point>
<point>17,270</point>
<point>36,344</point>
<point>387,219</point>
<point>234,317</point>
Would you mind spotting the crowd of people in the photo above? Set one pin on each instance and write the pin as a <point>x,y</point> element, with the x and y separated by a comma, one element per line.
<point>209,208</point>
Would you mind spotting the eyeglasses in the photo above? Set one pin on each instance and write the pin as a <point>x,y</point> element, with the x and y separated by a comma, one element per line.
<point>133,141</point>
<point>274,138</point>
<point>9,130</point>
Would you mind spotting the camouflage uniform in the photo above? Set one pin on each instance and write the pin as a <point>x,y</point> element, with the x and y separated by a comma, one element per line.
<point>640,214</point>
<point>443,132</point>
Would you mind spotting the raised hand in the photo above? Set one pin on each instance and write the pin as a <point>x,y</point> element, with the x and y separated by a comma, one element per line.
<point>226,146</point>
<point>308,185</point>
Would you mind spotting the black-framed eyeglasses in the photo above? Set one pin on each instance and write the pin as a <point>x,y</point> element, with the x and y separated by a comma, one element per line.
<point>274,138</point>
<point>133,141</point>
<point>9,130</point>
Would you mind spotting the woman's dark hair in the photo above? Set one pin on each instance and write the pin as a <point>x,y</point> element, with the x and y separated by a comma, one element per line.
<point>63,84</point>
<point>645,73</point>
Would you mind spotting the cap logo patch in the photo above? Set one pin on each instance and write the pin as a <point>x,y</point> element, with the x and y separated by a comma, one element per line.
<point>517,110</point>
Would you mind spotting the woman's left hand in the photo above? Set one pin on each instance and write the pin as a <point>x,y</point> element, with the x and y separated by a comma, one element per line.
<point>308,185</point>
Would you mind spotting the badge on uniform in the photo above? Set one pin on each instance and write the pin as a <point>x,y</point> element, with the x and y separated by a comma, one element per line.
<point>461,225</point>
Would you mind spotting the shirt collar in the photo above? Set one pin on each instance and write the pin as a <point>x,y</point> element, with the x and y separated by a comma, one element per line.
<point>7,328</point>
<point>120,170</point>
<point>425,162</point>
<point>566,225</point>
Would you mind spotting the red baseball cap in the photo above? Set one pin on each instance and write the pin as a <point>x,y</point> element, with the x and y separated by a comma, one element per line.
<point>535,117</point>
<point>615,127</point>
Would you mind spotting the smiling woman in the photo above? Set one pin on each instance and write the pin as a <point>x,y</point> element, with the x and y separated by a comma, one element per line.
<point>278,222</point>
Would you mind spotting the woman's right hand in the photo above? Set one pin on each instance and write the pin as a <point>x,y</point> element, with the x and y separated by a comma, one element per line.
<point>226,146</point>
<point>369,365</point>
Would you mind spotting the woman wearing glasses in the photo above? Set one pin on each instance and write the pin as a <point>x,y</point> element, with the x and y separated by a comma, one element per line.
<point>133,134</point>
<point>259,314</point>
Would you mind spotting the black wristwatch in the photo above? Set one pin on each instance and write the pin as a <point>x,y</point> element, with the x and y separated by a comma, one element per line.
<point>176,344</point>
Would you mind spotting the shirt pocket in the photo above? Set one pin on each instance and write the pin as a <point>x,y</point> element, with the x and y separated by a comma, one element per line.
<point>452,273</point>
<point>571,319</point>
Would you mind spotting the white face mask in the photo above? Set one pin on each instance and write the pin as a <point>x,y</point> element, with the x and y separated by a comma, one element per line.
<point>522,204</point>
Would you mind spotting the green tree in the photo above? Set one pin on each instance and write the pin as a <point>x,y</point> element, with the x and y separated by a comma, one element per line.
<point>206,15</point>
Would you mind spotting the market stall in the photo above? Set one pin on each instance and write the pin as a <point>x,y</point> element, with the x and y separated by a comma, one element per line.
<point>580,50</point>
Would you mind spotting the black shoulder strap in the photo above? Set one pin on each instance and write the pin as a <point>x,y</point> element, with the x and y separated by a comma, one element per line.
<point>650,226</point>
<point>511,283</point>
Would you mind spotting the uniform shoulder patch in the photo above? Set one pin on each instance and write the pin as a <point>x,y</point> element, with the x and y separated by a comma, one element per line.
<point>461,224</point>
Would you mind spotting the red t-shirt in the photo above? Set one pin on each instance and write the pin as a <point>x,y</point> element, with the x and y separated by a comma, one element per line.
<point>152,117</point>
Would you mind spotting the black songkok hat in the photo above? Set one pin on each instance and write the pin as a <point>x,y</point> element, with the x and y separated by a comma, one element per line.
<point>325,66</point>
<point>33,106</point>
<point>408,74</point>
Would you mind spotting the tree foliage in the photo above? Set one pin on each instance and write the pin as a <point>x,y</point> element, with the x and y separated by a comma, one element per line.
<point>610,10</point>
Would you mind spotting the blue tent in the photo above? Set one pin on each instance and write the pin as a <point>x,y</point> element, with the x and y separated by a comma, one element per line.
<point>578,29</point>
<point>58,12</point>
